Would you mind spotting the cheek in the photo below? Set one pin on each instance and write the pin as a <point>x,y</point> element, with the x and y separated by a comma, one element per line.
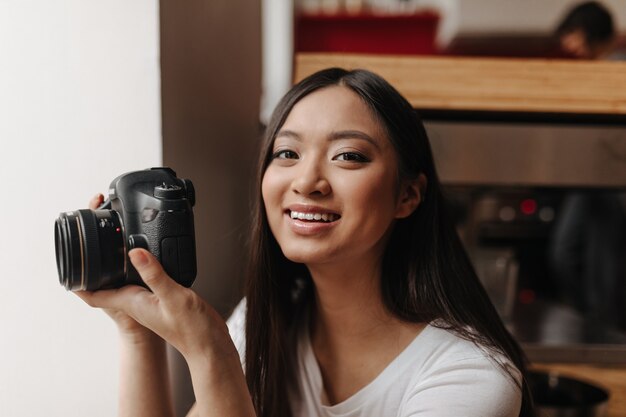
<point>271,187</point>
<point>372,200</point>
<point>376,192</point>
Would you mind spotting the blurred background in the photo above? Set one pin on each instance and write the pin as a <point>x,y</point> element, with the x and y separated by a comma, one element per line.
<point>91,89</point>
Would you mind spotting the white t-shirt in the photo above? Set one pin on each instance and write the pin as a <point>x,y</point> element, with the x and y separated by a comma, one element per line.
<point>438,375</point>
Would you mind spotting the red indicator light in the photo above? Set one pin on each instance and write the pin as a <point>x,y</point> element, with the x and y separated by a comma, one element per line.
<point>528,206</point>
<point>527,296</point>
<point>118,230</point>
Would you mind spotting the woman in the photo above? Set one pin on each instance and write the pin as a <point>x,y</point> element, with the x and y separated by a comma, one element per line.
<point>360,299</point>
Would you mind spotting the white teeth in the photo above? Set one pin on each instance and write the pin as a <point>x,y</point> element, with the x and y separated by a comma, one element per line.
<point>327,217</point>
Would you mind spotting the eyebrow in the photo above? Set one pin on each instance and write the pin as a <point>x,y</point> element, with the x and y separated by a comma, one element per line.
<point>342,134</point>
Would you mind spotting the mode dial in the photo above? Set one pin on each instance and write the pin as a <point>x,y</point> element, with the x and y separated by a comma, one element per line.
<point>169,192</point>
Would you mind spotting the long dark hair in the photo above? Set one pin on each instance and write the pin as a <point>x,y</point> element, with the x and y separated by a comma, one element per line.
<point>427,275</point>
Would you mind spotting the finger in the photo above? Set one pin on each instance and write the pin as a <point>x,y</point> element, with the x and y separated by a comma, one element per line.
<point>152,272</point>
<point>96,201</point>
<point>119,299</point>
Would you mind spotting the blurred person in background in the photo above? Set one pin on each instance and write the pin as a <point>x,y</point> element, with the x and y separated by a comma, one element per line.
<point>587,32</point>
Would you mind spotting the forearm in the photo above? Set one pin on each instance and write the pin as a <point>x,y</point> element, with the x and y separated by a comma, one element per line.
<point>220,387</point>
<point>179,316</point>
<point>144,382</point>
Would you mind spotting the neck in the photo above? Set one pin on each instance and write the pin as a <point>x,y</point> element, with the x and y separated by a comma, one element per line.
<point>348,300</point>
<point>353,336</point>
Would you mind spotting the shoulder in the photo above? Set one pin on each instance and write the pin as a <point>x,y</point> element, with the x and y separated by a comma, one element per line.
<point>441,345</point>
<point>457,377</point>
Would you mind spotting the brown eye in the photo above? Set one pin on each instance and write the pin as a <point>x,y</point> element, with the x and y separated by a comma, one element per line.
<point>351,157</point>
<point>286,154</point>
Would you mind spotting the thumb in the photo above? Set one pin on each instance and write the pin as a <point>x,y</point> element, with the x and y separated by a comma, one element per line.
<point>151,271</point>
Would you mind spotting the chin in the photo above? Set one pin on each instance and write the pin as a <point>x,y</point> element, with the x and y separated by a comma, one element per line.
<point>303,256</point>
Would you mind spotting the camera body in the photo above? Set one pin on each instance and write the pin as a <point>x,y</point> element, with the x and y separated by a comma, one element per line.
<point>156,210</point>
<point>150,209</point>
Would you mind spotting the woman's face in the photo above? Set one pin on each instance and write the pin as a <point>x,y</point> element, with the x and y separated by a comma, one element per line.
<point>331,191</point>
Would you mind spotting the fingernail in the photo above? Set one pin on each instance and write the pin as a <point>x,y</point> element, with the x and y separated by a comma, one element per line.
<point>138,258</point>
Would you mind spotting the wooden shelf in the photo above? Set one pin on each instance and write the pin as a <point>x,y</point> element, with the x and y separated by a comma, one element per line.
<point>469,84</point>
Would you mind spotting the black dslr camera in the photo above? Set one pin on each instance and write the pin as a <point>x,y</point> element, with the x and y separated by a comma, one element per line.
<point>150,209</point>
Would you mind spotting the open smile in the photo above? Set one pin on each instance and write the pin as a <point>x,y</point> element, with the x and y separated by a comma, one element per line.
<point>313,216</point>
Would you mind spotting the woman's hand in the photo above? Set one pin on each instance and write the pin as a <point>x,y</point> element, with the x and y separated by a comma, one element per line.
<point>174,312</point>
<point>183,319</point>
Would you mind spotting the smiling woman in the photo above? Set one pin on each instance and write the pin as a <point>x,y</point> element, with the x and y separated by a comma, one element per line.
<point>360,299</point>
<point>374,310</point>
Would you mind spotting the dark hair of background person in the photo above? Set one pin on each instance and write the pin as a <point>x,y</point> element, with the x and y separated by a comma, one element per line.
<point>593,19</point>
<point>426,273</point>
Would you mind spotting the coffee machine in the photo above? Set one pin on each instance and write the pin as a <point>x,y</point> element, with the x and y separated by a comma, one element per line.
<point>541,209</point>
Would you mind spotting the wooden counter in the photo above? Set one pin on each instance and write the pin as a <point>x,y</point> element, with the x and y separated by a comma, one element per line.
<point>491,84</point>
<point>609,377</point>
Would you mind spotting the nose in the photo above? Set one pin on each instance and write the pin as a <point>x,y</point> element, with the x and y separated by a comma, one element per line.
<point>310,180</point>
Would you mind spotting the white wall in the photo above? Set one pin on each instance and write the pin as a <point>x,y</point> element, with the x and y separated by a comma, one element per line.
<point>79,104</point>
<point>277,58</point>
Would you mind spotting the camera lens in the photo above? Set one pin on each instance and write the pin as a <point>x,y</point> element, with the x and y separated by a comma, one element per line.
<point>90,249</point>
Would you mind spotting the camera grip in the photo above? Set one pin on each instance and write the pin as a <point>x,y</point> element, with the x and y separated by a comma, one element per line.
<point>178,259</point>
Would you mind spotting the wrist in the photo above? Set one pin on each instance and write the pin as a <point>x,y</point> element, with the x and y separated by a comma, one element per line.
<point>218,358</point>
<point>206,347</point>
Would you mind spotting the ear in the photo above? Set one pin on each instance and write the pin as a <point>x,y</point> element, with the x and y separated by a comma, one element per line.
<point>410,196</point>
